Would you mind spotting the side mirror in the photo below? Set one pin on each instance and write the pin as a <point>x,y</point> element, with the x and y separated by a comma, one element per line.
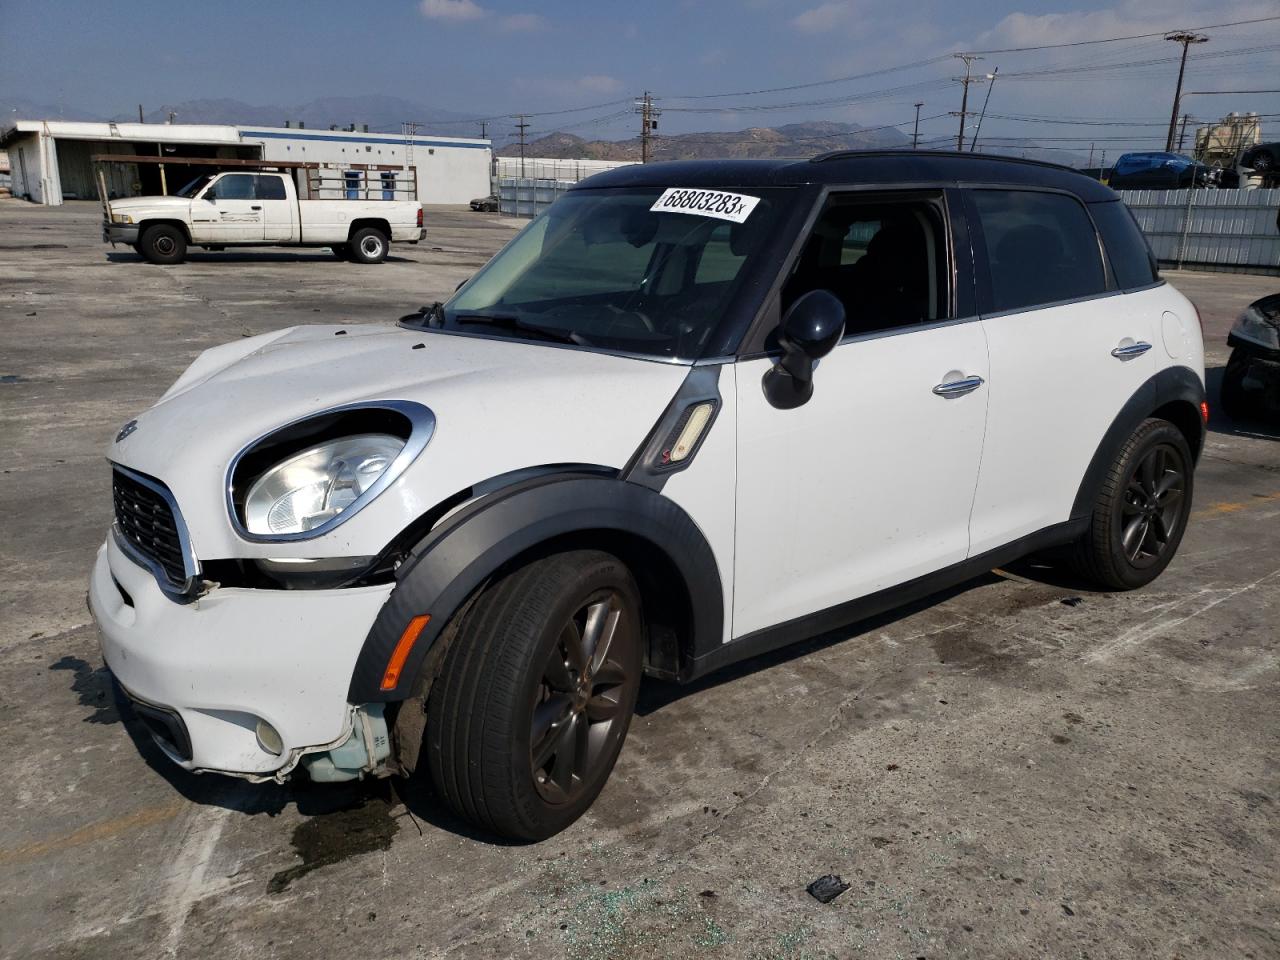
<point>211,197</point>
<point>812,327</point>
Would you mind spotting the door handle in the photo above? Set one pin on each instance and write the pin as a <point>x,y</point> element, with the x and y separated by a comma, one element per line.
<point>1131,350</point>
<point>958,388</point>
<point>255,208</point>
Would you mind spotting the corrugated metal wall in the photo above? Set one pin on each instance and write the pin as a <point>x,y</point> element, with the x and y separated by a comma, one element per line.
<point>528,197</point>
<point>1214,229</point>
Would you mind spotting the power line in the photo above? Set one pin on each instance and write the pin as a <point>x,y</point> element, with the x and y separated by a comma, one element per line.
<point>1133,36</point>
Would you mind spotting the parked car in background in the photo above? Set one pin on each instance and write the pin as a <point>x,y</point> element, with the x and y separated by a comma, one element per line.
<point>693,412</point>
<point>1262,158</point>
<point>258,208</point>
<point>1251,381</point>
<point>1167,171</point>
<point>487,204</point>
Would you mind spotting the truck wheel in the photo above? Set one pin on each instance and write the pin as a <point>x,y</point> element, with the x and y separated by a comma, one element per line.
<point>1234,397</point>
<point>368,245</point>
<point>1141,511</point>
<point>535,695</point>
<point>341,251</point>
<point>163,244</point>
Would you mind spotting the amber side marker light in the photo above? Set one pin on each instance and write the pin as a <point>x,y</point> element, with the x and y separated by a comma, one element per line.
<point>1204,411</point>
<point>391,676</point>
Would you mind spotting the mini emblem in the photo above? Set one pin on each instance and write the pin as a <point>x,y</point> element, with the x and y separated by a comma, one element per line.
<point>127,429</point>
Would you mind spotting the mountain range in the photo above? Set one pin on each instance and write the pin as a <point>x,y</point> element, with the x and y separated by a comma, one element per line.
<point>386,113</point>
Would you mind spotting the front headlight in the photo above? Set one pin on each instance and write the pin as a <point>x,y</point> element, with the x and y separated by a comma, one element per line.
<point>314,486</point>
<point>1256,328</point>
<point>121,218</point>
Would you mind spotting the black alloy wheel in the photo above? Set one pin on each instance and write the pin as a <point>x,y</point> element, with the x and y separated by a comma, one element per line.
<point>1151,510</point>
<point>575,724</point>
<point>1140,511</point>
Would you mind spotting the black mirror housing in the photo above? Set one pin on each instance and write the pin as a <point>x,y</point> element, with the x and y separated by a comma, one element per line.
<point>810,330</point>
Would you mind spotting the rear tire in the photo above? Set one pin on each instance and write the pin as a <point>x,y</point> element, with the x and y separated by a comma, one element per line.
<point>368,245</point>
<point>535,695</point>
<point>1141,511</point>
<point>163,244</point>
<point>1234,397</point>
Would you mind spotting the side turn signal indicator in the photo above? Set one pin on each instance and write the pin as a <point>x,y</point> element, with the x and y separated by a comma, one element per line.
<point>391,676</point>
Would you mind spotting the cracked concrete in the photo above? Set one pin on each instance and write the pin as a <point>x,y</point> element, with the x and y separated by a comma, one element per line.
<point>1018,767</point>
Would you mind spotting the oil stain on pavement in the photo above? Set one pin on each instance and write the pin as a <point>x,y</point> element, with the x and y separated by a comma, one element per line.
<point>363,824</point>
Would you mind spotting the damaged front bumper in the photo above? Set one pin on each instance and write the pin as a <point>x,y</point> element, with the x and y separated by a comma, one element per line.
<point>119,232</point>
<point>242,681</point>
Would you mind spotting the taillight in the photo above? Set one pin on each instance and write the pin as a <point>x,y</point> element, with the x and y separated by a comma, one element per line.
<point>419,216</point>
<point>1204,411</point>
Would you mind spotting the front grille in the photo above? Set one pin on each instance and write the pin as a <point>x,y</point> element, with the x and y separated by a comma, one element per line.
<point>147,523</point>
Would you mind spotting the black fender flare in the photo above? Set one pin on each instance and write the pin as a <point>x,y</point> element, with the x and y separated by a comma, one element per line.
<point>457,557</point>
<point>1175,384</point>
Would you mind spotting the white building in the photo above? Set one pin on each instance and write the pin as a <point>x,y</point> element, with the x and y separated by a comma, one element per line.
<point>50,159</point>
<point>543,168</point>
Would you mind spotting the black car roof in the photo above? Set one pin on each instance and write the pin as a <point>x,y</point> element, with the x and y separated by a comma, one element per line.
<point>888,167</point>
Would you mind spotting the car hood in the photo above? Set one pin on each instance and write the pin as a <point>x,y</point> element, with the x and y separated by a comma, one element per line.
<point>500,405</point>
<point>135,205</point>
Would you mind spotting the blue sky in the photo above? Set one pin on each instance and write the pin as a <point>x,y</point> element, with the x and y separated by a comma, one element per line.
<point>482,57</point>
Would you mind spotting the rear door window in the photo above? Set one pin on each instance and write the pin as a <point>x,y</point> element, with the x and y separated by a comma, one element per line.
<point>1041,248</point>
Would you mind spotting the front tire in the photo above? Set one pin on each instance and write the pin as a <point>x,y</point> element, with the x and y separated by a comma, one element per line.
<point>163,244</point>
<point>368,245</point>
<point>1141,511</point>
<point>535,695</point>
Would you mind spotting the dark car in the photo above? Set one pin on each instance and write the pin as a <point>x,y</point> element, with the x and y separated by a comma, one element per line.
<point>1263,158</point>
<point>487,204</point>
<point>1251,381</point>
<point>1167,171</point>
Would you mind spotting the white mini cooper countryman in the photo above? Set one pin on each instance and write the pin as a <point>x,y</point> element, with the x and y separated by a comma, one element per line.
<point>693,412</point>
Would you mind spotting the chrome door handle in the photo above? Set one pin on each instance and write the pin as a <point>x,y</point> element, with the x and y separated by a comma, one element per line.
<point>1131,350</point>
<point>958,388</point>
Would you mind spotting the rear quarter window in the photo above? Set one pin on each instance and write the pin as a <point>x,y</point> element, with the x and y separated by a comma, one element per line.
<point>1041,248</point>
<point>1131,258</point>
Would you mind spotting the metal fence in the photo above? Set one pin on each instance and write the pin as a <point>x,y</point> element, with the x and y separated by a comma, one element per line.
<point>528,197</point>
<point>1226,230</point>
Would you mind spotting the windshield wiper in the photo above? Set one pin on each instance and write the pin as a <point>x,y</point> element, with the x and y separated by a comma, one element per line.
<point>509,322</point>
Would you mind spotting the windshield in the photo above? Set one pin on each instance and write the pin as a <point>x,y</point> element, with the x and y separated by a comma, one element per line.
<point>636,270</point>
<point>195,186</point>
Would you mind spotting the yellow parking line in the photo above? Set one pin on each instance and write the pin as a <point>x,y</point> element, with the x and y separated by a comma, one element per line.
<point>1234,506</point>
<point>94,832</point>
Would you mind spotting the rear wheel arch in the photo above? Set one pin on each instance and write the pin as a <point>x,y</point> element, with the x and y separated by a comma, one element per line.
<point>375,223</point>
<point>670,559</point>
<point>1173,394</point>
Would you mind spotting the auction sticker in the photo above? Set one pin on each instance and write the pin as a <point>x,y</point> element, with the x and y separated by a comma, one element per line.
<point>706,203</point>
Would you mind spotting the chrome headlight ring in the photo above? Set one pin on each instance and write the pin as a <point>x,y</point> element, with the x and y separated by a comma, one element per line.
<point>421,427</point>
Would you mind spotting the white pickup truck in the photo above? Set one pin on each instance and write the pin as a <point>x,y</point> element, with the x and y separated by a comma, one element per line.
<point>259,208</point>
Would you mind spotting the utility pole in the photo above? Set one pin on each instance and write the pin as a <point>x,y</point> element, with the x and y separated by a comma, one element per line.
<point>968,59</point>
<point>648,123</point>
<point>140,120</point>
<point>1186,39</point>
<point>521,127</point>
<point>1182,133</point>
<point>991,84</point>
<point>484,129</point>
<point>915,133</point>
<point>1090,163</point>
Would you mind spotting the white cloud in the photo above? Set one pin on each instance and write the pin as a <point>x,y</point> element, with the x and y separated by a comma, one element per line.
<point>599,83</point>
<point>522,22</point>
<point>823,18</point>
<point>454,10</point>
